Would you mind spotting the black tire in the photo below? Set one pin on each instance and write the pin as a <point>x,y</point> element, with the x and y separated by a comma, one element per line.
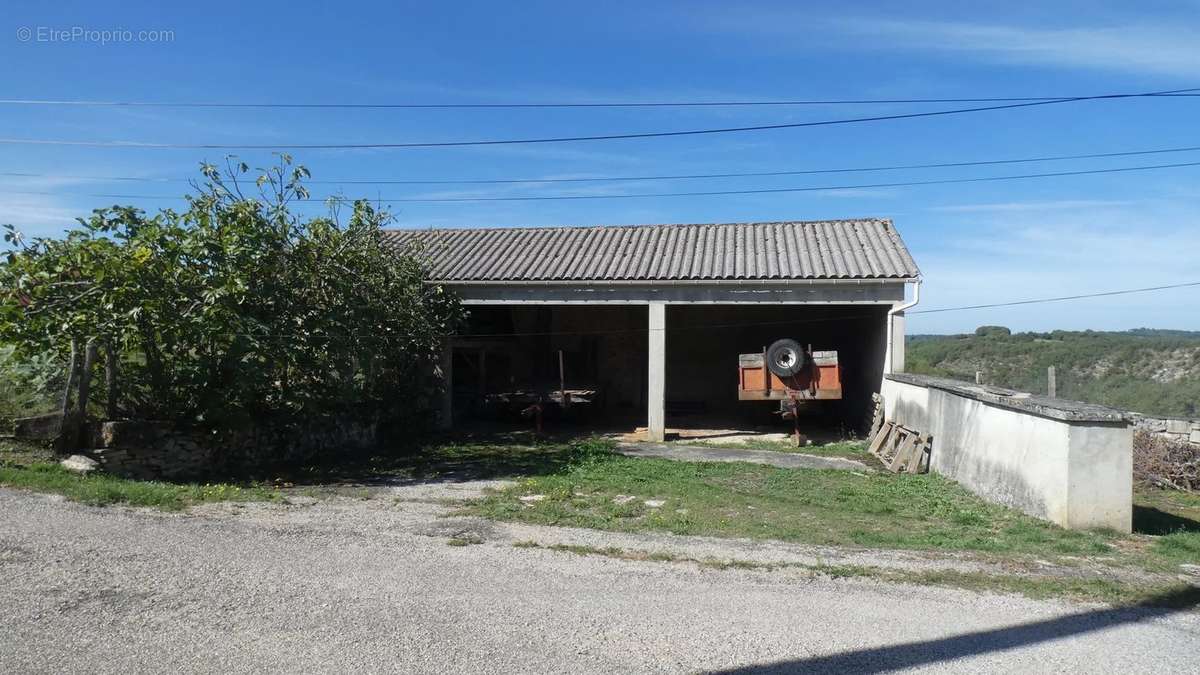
<point>786,358</point>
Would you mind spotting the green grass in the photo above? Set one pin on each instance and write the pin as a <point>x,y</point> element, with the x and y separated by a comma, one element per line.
<point>826,507</point>
<point>849,449</point>
<point>102,490</point>
<point>1174,518</point>
<point>595,488</point>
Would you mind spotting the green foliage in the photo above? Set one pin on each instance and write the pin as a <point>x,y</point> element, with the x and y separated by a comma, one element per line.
<point>236,308</point>
<point>28,386</point>
<point>991,331</point>
<point>1148,371</point>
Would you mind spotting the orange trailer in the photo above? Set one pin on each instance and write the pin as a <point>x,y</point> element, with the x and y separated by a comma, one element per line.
<point>789,373</point>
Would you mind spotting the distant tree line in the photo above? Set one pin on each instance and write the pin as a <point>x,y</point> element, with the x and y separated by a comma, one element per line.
<point>1156,372</point>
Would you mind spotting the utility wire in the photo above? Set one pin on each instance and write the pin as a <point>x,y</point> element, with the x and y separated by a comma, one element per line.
<point>552,104</point>
<point>818,188</point>
<point>1058,299</point>
<point>755,174</point>
<point>564,139</point>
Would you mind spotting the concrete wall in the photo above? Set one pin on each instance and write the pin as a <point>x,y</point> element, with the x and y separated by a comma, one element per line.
<point>1068,463</point>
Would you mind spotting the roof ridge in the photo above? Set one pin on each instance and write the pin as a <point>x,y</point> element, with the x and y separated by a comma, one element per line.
<point>531,228</point>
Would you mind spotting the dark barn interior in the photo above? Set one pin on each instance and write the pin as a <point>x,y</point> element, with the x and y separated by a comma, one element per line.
<point>509,357</point>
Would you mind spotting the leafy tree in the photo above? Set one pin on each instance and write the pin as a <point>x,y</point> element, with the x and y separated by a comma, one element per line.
<point>237,309</point>
<point>987,331</point>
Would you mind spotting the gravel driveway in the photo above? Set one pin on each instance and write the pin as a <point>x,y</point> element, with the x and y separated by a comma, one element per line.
<point>371,585</point>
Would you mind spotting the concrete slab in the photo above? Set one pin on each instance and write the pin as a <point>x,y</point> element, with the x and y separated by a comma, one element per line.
<point>783,460</point>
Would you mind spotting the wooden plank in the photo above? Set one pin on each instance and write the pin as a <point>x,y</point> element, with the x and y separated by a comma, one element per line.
<point>877,441</point>
<point>920,454</point>
<point>888,452</point>
<point>904,452</point>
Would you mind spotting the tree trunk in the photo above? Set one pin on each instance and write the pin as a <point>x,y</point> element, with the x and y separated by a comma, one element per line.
<point>154,363</point>
<point>67,432</point>
<point>110,381</point>
<point>85,390</point>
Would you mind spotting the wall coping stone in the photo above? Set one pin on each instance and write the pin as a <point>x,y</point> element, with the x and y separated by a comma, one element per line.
<point>1043,406</point>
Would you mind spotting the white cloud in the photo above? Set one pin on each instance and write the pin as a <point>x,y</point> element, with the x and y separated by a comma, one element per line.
<point>1172,50</point>
<point>1004,207</point>
<point>1113,41</point>
<point>37,215</point>
<point>1018,255</point>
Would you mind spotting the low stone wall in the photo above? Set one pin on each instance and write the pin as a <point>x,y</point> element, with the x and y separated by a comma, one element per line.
<point>37,428</point>
<point>149,450</point>
<point>1067,462</point>
<point>1174,429</point>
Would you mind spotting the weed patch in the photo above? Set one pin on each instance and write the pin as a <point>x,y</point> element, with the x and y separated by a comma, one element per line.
<point>102,490</point>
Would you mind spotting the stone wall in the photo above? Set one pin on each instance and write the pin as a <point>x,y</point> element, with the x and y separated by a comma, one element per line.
<point>1067,462</point>
<point>152,450</point>
<point>1174,429</point>
<point>38,428</point>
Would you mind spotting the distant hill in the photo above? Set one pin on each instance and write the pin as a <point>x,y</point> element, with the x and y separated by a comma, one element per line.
<point>1156,372</point>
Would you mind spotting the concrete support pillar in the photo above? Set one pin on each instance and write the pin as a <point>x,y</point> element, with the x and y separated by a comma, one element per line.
<point>445,372</point>
<point>657,373</point>
<point>894,361</point>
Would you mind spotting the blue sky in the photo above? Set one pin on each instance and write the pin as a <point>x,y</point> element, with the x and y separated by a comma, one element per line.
<point>975,243</point>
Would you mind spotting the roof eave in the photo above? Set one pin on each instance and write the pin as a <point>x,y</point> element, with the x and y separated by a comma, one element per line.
<point>675,282</point>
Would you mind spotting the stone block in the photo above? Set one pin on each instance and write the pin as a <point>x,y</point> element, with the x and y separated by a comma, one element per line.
<point>1150,424</point>
<point>1195,437</point>
<point>37,428</point>
<point>132,433</point>
<point>80,464</point>
<point>1179,426</point>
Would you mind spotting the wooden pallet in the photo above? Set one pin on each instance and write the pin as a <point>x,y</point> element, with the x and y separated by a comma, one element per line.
<point>900,449</point>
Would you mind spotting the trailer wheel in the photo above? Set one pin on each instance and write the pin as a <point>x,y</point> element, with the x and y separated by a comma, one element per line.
<point>786,358</point>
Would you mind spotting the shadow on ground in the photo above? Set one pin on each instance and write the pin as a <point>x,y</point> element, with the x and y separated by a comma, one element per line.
<point>1150,520</point>
<point>915,654</point>
<point>456,458</point>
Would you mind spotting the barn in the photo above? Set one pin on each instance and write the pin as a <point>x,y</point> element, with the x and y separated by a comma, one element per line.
<point>643,325</point>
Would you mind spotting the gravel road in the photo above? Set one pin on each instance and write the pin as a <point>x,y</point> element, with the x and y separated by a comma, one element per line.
<point>371,585</point>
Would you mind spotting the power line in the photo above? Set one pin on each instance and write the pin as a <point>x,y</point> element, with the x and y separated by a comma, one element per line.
<point>563,139</point>
<point>535,105</point>
<point>818,188</point>
<point>1058,299</point>
<point>755,174</point>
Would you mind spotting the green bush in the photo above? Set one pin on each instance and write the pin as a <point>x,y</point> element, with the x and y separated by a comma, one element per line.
<point>991,331</point>
<point>237,309</point>
<point>28,386</point>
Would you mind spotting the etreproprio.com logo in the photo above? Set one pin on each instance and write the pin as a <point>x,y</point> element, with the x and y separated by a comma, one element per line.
<point>84,34</point>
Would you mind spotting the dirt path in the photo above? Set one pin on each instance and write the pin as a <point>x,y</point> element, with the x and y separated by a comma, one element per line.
<point>370,584</point>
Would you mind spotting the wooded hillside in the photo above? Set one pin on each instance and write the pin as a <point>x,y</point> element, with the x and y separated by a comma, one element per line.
<point>1156,372</point>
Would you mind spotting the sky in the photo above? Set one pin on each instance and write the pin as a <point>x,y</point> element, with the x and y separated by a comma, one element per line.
<point>975,243</point>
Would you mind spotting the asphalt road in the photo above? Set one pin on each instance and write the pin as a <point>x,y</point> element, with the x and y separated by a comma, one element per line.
<point>374,587</point>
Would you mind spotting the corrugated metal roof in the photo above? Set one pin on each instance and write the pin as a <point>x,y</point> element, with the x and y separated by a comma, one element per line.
<point>835,249</point>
